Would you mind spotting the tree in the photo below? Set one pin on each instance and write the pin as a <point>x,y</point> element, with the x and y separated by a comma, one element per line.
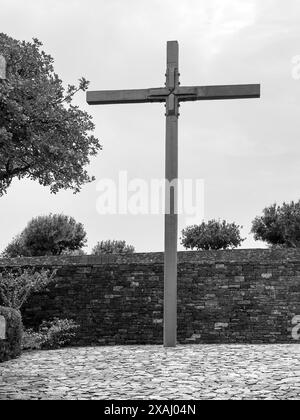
<point>48,235</point>
<point>17,285</point>
<point>16,248</point>
<point>43,136</point>
<point>112,247</point>
<point>212,235</point>
<point>279,225</point>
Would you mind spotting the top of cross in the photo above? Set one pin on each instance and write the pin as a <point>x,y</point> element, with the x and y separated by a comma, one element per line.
<point>173,93</point>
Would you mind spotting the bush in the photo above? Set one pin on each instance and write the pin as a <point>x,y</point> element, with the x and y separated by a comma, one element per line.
<point>212,235</point>
<point>76,253</point>
<point>10,348</point>
<point>51,335</point>
<point>112,247</point>
<point>17,285</point>
<point>279,225</point>
<point>32,340</point>
<point>47,235</point>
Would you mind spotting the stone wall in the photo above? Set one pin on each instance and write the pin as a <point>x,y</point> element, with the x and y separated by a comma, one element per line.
<point>240,296</point>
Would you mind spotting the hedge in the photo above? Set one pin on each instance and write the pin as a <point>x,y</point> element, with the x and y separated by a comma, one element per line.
<point>10,348</point>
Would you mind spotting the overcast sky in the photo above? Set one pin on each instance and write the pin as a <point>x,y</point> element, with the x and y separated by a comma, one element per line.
<point>246,151</point>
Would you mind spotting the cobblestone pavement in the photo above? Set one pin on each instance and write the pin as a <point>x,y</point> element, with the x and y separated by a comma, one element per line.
<point>152,372</point>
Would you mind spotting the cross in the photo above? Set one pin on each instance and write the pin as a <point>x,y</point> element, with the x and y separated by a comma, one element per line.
<point>172,94</point>
<point>2,328</point>
<point>2,67</point>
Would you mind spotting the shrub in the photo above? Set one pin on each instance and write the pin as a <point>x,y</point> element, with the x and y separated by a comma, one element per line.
<point>76,253</point>
<point>11,346</point>
<point>212,235</point>
<point>279,225</point>
<point>51,335</point>
<point>58,333</point>
<point>112,247</point>
<point>32,340</point>
<point>48,235</point>
<point>17,285</point>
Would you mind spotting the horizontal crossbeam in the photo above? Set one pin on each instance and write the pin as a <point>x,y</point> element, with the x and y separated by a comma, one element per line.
<point>183,94</point>
<point>198,93</point>
<point>104,97</point>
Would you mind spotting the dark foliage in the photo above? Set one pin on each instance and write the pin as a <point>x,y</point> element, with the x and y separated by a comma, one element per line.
<point>279,225</point>
<point>212,235</point>
<point>43,136</point>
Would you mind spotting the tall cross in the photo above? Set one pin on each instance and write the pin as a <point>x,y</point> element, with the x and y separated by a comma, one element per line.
<point>2,67</point>
<point>172,94</point>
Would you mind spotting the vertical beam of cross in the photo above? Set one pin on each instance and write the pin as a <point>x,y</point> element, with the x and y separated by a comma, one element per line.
<point>171,217</point>
<point>2,328</point>
<point>172,94</point>
<point>2,67</point>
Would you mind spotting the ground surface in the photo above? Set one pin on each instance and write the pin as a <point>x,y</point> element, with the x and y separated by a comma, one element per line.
<point>152,372</point>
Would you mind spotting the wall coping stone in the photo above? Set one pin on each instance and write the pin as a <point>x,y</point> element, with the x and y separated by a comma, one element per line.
<point>259,256</point>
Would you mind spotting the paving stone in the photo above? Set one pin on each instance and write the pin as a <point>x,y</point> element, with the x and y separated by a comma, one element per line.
<point>247,372</point>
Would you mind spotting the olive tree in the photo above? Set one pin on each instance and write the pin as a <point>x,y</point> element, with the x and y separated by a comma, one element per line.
<point>212,235</point>
<point>279,225</point>
<point>43,135</point>
<point>54,234</point>
<point>112,247</point>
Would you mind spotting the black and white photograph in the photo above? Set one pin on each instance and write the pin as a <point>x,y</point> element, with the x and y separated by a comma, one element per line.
<point>149,203</point>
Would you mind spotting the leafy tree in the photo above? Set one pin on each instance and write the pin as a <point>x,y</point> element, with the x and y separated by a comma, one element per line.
<point>43,136</point>
<point>17,285</point>
<point>16,248</point>
<point>212,235</point>
<point>279,225</point>
<point>48,235</point>
<point>112,247</point>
